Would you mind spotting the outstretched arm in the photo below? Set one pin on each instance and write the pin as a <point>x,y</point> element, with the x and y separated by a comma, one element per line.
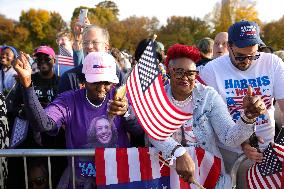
<point>33,108</point>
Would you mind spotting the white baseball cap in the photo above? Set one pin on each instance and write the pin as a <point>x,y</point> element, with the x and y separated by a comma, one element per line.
<point>99,66</point>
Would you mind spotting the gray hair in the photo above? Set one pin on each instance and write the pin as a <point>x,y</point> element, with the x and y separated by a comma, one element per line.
<point>96,28</point>
<point>205,45</point>
<point>280,54</point>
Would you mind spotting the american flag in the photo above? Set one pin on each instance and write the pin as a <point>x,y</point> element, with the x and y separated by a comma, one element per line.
<point>269,173</point>
<point>159,118</point>
<point>64,57</point>
<point>139,168</point>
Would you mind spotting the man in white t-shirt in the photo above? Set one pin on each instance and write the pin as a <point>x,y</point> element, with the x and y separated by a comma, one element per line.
<point>231,75</point>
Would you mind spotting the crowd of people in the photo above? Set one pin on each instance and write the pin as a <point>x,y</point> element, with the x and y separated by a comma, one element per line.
<point>230,85</point>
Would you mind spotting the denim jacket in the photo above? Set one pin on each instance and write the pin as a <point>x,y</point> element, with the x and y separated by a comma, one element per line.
<point>211,123</point>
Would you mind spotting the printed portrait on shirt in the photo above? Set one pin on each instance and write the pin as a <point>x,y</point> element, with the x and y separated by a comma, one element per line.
<point>102,132</point>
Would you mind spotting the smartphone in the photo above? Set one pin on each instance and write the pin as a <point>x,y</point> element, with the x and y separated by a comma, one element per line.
<point>82,15</point>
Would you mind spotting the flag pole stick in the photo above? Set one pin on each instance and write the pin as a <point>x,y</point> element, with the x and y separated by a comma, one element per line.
<point>167,164</point>
<point>155,37</point>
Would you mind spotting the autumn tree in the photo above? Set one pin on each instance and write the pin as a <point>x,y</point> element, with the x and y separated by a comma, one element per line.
<point>273,33</point>
<point>228,12</point>
<point>42,26</point>
<point>127,33</point>
<point>11,33</point>
<point>6,28</point>
<point>100,15</point>
<point>185,30</point>
<point>109,5</point>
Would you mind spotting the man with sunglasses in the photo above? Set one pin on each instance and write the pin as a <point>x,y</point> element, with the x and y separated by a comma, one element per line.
<point>231,74</point>
<point>45,81</point>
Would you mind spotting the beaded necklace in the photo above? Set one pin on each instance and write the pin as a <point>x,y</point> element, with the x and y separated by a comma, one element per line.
<point>96,106</point>
<point>183,103</point>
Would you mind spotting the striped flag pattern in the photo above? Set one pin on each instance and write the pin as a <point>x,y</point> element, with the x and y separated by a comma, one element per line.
<point>159,118</point>
<point>129,167</point>
<point>64,57</point>
<point>269,173</point>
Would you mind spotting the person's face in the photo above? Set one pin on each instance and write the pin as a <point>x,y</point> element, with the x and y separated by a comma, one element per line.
<point>220,45</point>
<point>44,63</point>
<point>7,56</point>
<point>103,131</point>
<point>242,58</point>
<point>98,90</point>
<point>34,68</point>
<point>37,179</point>
<point>65,42</point>
<point>93,41</point>
<point>183,73</point>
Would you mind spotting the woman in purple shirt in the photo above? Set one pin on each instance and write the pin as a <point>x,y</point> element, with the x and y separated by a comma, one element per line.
<point>79,110</point>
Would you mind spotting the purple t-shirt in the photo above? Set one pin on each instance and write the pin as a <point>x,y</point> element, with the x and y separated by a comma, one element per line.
<point>86,126</point>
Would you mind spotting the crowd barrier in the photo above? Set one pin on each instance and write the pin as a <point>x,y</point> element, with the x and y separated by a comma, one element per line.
<point>72,153</point>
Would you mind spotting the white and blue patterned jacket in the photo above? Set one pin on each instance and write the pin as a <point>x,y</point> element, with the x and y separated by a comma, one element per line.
<point>211,123</point>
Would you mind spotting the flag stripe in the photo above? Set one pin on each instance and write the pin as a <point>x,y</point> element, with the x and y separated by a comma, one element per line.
<point>145,164</point>
<point>100,166</point>
<point>179,114</point>
<point>165,171</point>
<point>213,174</point>
<point>144,112</point>
<point>255,177</point>
<point>142,115</point>
<point>160,112</point>
<point>154,163</point>
<point>184,185</point>
<point>140,163</point>
<point>265,179</point>
<point>259,179</point>
<point>122,163</point>
<point>168,109</point>
<point>273,180</point>
<point>111,166</point>
<point>134,164</point>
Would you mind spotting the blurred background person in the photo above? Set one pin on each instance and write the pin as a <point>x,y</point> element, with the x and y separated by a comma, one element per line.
<point>205,46</point>
<point>7,73</point>
<point>220,46</point>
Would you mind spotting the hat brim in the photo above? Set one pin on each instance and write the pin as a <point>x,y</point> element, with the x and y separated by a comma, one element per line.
<point>248,43</point>
<point>93,78</point>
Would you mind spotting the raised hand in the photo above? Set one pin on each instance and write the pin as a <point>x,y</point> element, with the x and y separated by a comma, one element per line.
<point>253,105</point>
<point>23,69</point>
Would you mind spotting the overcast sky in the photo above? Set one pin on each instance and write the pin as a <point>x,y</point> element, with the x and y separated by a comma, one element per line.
<point>162,9</point>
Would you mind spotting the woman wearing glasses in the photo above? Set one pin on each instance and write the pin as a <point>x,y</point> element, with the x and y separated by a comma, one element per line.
<point>211,120</point>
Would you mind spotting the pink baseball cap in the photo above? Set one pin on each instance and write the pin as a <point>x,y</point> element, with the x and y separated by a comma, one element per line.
<point>45,50</point>
<point>99,66</point>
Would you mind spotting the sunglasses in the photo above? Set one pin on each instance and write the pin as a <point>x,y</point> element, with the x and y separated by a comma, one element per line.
<point>41,59</point>
<point>180,73</point>
<point>38,181</point>
<point>243,58</point>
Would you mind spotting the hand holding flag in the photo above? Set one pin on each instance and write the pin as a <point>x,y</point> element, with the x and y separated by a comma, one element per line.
<point>269,173</point>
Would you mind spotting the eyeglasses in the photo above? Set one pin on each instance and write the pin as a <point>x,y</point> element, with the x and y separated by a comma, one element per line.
<point>94,43</point>
<point>243,58</point>
<point>180,73</point>
<point>38,181</point>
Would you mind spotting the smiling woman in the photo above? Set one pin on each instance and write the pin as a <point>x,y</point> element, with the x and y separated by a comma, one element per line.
<point>211,120</point>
